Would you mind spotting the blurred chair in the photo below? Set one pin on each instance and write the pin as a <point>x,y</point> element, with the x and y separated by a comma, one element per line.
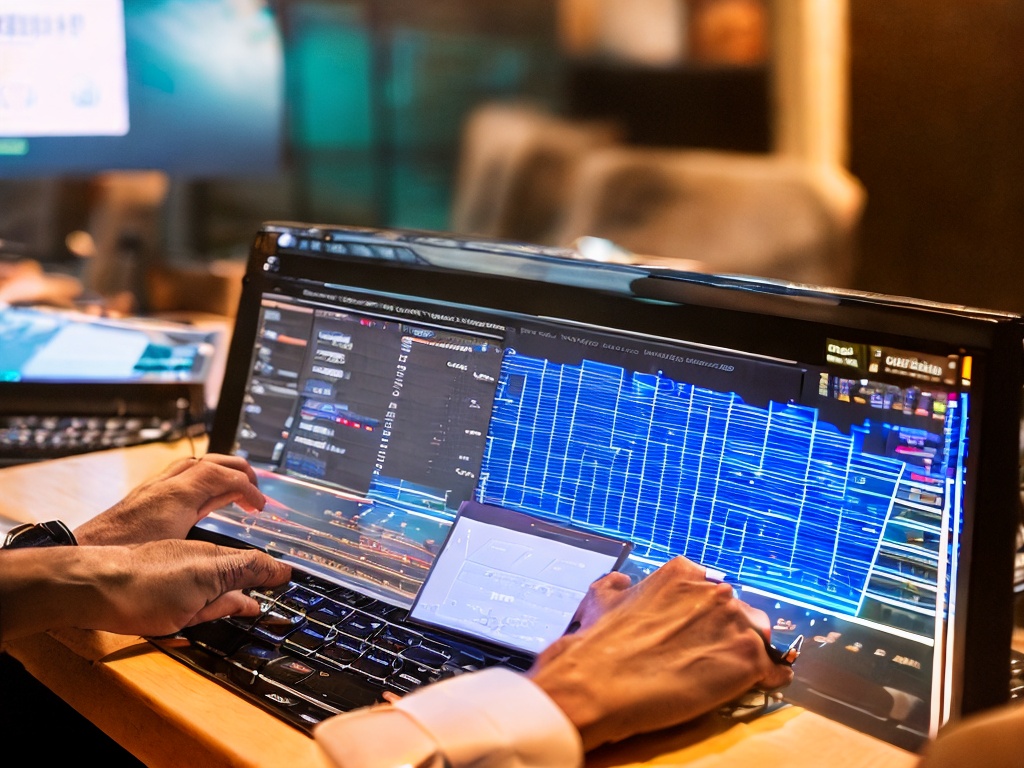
<point>124,234</point>
<point>516,170</point>
<point>187,291</point>
<point>762,215</point>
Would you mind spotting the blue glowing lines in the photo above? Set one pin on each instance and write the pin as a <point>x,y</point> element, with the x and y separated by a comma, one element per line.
<point>771,496</point>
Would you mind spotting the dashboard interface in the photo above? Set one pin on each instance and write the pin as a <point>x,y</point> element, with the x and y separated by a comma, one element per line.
<point>828,490</point>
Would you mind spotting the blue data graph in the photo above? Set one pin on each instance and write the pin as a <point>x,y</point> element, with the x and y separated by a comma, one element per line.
<point>771,495</point>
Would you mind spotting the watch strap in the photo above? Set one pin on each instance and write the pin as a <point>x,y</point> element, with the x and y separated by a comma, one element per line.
<point>53,533</point>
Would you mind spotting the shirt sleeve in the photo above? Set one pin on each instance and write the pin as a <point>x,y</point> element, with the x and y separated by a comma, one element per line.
<point>495,718</point>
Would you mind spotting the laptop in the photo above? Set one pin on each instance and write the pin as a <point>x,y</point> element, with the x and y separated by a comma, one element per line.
<point>72,382</point>
<point>433,418</point>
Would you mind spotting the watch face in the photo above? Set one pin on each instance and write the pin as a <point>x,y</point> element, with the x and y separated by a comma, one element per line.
<point>50,534</point>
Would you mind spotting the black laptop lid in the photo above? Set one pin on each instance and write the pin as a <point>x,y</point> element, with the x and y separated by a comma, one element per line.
<point>841,458</point>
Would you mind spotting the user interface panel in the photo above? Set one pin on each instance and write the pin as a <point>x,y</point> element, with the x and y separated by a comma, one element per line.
<point>829,487</point>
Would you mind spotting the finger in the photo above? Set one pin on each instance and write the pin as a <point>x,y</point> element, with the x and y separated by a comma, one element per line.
<point>249,497</point>
<point>779,676</point>
<point>245,568</point>
<point>234,603</point>
<point>680,567</point>
<point>605,593</point>
<point>616,581</point>
<point>233,462</point>
<point>224,485</point>
<point>758,619</point>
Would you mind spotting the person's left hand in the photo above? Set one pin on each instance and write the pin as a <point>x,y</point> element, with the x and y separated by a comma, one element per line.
<point>168,505</point>
<point>161,586</point>
<point>155,588</point>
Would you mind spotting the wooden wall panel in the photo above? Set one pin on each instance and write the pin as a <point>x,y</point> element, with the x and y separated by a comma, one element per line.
<point>937,138</point>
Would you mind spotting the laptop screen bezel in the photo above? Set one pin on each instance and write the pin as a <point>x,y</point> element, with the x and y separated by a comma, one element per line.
<point>731,312</point>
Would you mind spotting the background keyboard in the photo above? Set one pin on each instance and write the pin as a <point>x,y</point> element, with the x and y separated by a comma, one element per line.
<point>34,438</point>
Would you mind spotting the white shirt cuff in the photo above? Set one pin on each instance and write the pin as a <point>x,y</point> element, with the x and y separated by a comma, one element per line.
<point>495,718</point>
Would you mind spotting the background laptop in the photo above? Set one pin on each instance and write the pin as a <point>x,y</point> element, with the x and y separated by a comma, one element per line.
<point>841,458</point>
<point>71,382</point>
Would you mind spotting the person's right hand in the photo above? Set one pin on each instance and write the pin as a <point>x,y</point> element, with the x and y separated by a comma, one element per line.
<point>168,505</point>
<point>150,589</point>
<point>662,652</point>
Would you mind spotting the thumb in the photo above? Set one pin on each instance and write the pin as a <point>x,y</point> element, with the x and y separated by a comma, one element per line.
<point>245,568</point>
<point>234,603</point>
<point>603,595</point>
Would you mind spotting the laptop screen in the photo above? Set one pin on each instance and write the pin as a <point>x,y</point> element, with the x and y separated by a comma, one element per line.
<point>41,345</point>
<point>838,457</point>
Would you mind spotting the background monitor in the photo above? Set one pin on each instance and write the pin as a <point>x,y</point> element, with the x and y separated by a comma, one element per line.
<point>192,88</point>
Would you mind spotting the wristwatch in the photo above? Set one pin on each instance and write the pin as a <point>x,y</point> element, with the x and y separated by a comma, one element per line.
<point>50,534</point>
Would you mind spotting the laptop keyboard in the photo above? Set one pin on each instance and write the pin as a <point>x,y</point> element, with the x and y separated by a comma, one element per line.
<point>25,438</point>
<point>318,649</point>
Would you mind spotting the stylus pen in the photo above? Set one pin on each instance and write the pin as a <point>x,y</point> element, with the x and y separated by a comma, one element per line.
<point>788,656</point>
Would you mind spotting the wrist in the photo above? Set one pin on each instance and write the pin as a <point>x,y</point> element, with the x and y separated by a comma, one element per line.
<point>570,687</point>
<point>52,588</point>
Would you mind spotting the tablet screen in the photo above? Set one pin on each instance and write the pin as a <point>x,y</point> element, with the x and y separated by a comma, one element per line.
<point>511,578</point>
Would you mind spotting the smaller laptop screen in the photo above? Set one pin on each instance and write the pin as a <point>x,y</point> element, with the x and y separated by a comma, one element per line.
<point>511,578</point>
<point>58,346</point>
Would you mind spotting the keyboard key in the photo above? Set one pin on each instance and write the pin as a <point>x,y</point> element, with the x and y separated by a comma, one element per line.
<point>384,610</point>
<point>329,613</point>
<point>289,705</point>
<point>254,656</point>
<point>374,664</point>
<point>306,640</point>
<point>219,637</point>
<point>434,658</point>
<point>277,623</point>
<point>351,597</point>
<point>459,654</point>
<point>450,670</point>
<point>286,670</point>
<point>340,689</point>
<point>409,676</point>
<point>314,583</point>
<point>270,594</point>
<point>359,625</point>
<point>471,659</point>
<point>244,622</point>
<point>342,651</point>
<point>396,639</point>
<point>301,599</point>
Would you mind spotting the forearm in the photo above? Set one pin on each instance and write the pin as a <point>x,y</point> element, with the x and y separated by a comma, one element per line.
<point>50,587</point>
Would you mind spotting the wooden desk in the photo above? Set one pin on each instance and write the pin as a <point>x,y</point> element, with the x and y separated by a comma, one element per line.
<point>168,715</point>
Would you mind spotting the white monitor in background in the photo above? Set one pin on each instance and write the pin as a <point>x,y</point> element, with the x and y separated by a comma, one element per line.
<point>63,70</point>
<point>193,89</point>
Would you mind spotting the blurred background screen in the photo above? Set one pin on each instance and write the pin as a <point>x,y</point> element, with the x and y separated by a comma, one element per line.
<point>192,87</point>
